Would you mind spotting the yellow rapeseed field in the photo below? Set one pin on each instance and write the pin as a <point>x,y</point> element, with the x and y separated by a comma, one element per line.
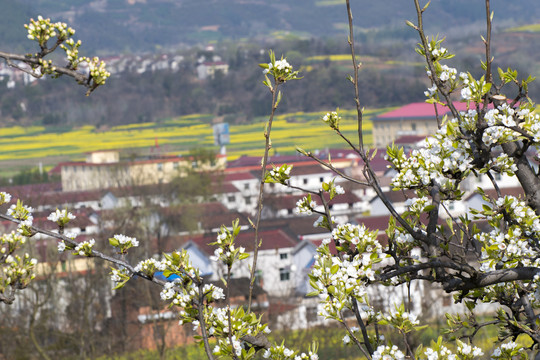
<point>179,135</point>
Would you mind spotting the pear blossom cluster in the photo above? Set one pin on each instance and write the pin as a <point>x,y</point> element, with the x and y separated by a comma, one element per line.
<point>507,351</point>
<point>16,271</point>
<point>305,205</point>
<point>530,121</point>
<point>332,189</point>
<point>72,52</point>
<point>123,242</point>
<point>4,197</point>
<point>62,245</point>
<point>431,91</point>
<point>97,69</point>
<point>182,297</point>
<point>61,217</point>
<point>279,175</point>
<point>404,240</point>
<point>283,353</point>
<point>466,93</point>
<point>467,351</point>
<point>508,249</point>
<point>523,214</point>
<point>279,65</point>
<point>226,250</point>
<point>322,221</point>
<point>417,205</point>
<point>280,70</point>
<point>435,49</point>
<point>447,73</point>
<point>358,238</point>
<point>10,242</point>
<point>516,246</point>
<point>23,213</point>
<point>41,30</point>
<point>445,158</point>
<point>119,277</point>
<point>149,266</point>
<point>242,323</point>
<point>332,119</point>
<point>499,121</point>
<point>502,164</point>
<point>439,352</point>
<point>385,352</point>
<point>337,281</point>
<point>401,320</point>
<point>84,248</point>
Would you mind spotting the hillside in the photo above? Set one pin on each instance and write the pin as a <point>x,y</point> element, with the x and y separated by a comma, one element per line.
<point>119,26</point>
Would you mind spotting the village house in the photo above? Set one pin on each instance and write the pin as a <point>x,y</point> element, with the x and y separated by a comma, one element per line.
<point>411,119</point>
<point>103,169</point>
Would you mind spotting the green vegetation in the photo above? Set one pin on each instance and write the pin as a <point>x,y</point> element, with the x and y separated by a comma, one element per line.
<point>330,340</point>
<point>525,28</point>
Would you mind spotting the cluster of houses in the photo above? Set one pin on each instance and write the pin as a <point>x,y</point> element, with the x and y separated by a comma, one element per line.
<point>206,67</point>
<point>92,191</point>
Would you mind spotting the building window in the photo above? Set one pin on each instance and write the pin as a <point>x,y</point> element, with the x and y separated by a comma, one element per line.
<point>247,200</point>
<point>305,181</point>
<point>413,127</point>
<point>246,186</point>
<point>176,166</point>
<point>160,167</point>
<point>194,164</point>
<point>284,274</point>
<point>258,277</point>
<point>283,256</point>
<point>231,199</point>
<point>321,179</point>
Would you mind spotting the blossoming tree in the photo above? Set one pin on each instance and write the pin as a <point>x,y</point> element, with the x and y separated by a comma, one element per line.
<point>496,264</point>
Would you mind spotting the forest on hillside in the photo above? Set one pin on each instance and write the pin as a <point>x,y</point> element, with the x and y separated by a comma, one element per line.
<point>134,26</point>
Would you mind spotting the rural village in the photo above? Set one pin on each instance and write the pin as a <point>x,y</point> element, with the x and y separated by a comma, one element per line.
<point>94,189</point>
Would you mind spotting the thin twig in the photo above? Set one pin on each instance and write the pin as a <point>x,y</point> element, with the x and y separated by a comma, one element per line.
<point>355,78</point>
<point>257,241</point>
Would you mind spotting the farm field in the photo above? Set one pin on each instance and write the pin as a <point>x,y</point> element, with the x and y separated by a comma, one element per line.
<point>26,147</point>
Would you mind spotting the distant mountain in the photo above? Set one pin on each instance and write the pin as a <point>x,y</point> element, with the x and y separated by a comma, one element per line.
<point>120,26</point>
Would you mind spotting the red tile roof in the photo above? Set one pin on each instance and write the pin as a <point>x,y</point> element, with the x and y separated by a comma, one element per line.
<point>271,240</point>
<point>235,176</point>
<point>419,110</point>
